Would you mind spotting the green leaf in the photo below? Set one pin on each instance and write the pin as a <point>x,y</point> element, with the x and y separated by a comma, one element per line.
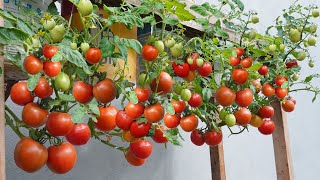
<point>170,109</point>
<point>12,36</point>
<point>67,97</point>
<point>133,44</point>
<point>93,107</point>
<point>58,56</point>
<point>8,16</point>
<point>149,19</point>
<point>239,4</point>
<point>255,67</point>
<point>33,81</point>
<point>200,10</point>
<point>285,85</point>
<point>178,9</point>
<point>16,59</point>
<point>78,114</point>
<point>52,9</point>
<point>309,78</point>
<point>172,136</point>
<point>141,120</point>
<point>206,94</point>
<point>152,130</point>
<point>171,21</point>
<point>133,97</point>
<point>106,47</point>
<point>22,25</point>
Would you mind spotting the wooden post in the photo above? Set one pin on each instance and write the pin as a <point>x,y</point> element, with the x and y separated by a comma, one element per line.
<point>217,162</point>
<point>281,144</point>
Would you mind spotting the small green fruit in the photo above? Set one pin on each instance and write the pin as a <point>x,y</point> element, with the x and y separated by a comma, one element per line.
<point>301,56</point>
<point>311,64</point>
<point>272,48</point>
<point>85,7</point>
<point>230,120</point>
<point>295,77</point>
<point>282,47</point>
<point>222,114</point>
<point>255,19</point>
<point>73,45</point>
<point>313,28</point>
<point>252,34</point>
<point>315,13</point>
<point>170,43</point>
<point>57,33</point>
<point>294,35</point>
<point>84,47</point>
<point>199,62</point>
<point>312,40</point>
<point>185,94</point>
<point>159,45</point>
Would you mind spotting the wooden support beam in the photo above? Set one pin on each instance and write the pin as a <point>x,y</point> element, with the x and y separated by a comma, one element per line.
<point>281,144</point>
<point>217,162</point>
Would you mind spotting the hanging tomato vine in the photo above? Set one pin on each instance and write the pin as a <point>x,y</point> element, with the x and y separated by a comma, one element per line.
<point>67,101</point>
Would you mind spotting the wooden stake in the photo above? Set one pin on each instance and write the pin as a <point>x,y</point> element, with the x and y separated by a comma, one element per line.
<point>217,162</point>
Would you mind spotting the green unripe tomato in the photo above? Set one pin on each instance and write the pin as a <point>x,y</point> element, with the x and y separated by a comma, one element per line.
<point>57,33</point>
<point>185,94</point>
<point>255,19</point>
<point>313,28</point>
<point>62,82</point>
<point>159,45</point>
<point>222,114</point>
<point>73,46</point>
<point>170,43</point>
<point>190,61</point>
<point>282,47</point>
<point>230,120</point>
<point>272,48</point>
<point>315,13</point>
<point>294,35</point>
<point>312,40</point>
<point>35,43</point>
<point>301,56</point>
<point>178,88</point>
<point>84,47</point>
<point>305,43</point>
<point>49,24</point>
<point>311,64</point>
<point>199,62</point>
<point>295,77</point>
<point>142,80</point>
<point>300,28</point>
<point>252,34</point>
<point>176,50</point>
<point>85,7</point>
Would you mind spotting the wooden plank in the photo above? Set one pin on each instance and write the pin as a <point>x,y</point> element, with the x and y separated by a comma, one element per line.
<point>217,162</point>
<point>281,144</point>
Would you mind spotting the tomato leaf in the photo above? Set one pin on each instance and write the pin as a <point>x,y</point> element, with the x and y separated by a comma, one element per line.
<point>8,16</point>
<point>78,114</point>
<point>93,107</point>
<point>141,120</point>
<point>285,85</point>
<point>255,67</point>
<point>12,36</point>
<point>133,97</point>
<point>33,81</point>
<point>239,4</point>
<point>106,47</point>
<point>58,56</point>
<point>178,9</point>
<point>52,9</point>
<point>67,97</point>
<point>149,19</point>
<point>171,21</point>
<point>206,94</point>
<point>22,25</point>
<point>200,10</point>
<point>170,109</point>
<point>16,59</point>
<point>152,130</point>
<point>309,78</point>
<point>172,136</point>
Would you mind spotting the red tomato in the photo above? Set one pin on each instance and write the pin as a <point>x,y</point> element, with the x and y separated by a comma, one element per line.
<point>162,84</point>
<point>107,119</point>
<point>29,155</point>
<point>288,106</point>
<point>133,160</point>
<point>225,96</point>
<point>246,62</point>
<point>149,53</point>
<point>234,61</point>
<point>239,76</point>
<point>93,55</point>
<point>181,70</point>
<point>243,116</point>
<point>291,64</point>
<point>134,110</point>
<point>189,123</point>
<point>279,80</point>
<point>143,94</point>
<point>178,106</point>
<point>267,127</point>
<point>51,69</point>
<point>194,56</point>
<point>61,158</point>
<point>139,130</point>
<point>266,111</point>
<point>281,92</point>
<point>82,92</point>
<point>141,149</point>
<point>195,100</point>
<point>293,100</point>
<point>205,70</point>
<point>79,134</point>
<point>239,52</point>
<point>191,76</point>
<point>171,121</point>
<point>268,90</point>
<point>32,64</point>
<point>105,91</point>
<point>263,70</point>
<point>213,138</point>
<point>257,84</point>
<point>158,136</point>
<point>154,113</point>
<point>59,124</point>
<point>123,121</point>
<point>20,94</point>
<point>244,97</point>
<point>49,51</point>
<point>33,115</point>
<point>43,89</point>
<point>127,136</point>
<point>197,137</point>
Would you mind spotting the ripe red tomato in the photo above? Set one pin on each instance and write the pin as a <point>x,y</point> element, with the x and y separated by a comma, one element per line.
<point>197,137</point>
<point>149,53</point>
<point>257,84</point>
<point>234,61</point>
<point>164,85</point>
<point>205,70</point>
<point>291,64</point>
<point>134,110</point>
<point>195,100</point>
<point>29,155</point>
<point>239,76</point>
<point>154,113</point>
<point>268,90</point>
<point>82,92</point>
<point>123,121</point>
<point>79,134</point>
<point>181,70</point>
<point>281,92</point>
<point>288,106</point>
<point>43,88</point>
<point>127,136</point>
<point>49,51</point>
<point>266,111</point>
<point>51,69</point>
<point>239,52</point>
<point>20,94</point>
<point>171,121</point>
<point>107,119</point>
<point>263,70</point>
<point>279,80</point>
<point>105,91</point>
<point>243,116</point>
<point>293,100</point>
<point>213,138</point>
<point>93,55</point>
<point>189,123</point>
<point>225,96</point>
<point>62,158</point>
<point>194,56</point>
<point>246,62</point>
<point>33,115</point>
<point>244,97</point>
<point>191,76</point>
<point>141,149</point>
<point>32,64</point>
<point>139,130</point>
<point>59,124</point>
<point>143,94</point>
<point>158,136</point>
<point>133,160</point>
<point>267,127</point>
<point>178,106</point>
